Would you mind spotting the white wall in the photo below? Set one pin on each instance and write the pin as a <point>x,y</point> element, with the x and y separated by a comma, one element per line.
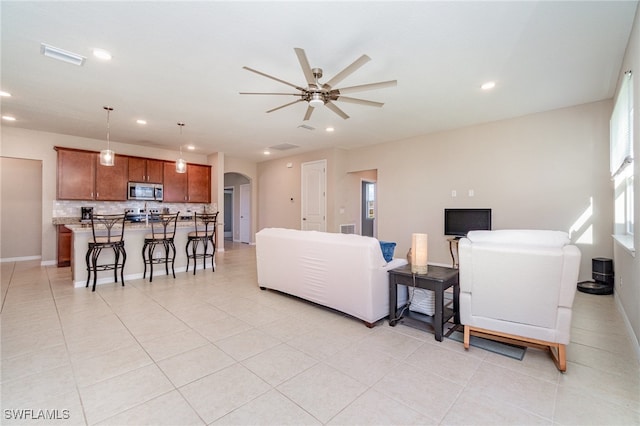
<point>626,266</point>
<point>20,208</point>
<point>541,171</point>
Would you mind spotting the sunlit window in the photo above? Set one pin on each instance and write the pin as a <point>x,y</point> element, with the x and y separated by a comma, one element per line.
<point>621,158</point>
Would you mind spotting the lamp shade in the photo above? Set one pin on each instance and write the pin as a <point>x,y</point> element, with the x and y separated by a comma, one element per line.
<point>419,253</point>
<point>107,157</point>
<point>181,166</point>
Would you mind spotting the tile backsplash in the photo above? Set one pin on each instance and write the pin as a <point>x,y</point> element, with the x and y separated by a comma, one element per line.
<point>70,208</point>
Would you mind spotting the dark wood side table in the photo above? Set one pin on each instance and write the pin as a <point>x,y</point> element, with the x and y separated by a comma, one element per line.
<point>437,279</point>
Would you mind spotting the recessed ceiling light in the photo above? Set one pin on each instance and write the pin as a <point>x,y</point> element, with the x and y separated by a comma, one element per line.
<point>5,94</point>
<point>141,121</point>
<point>8,118</point>
<point>102,54</point>
<point>62,55</point>
<point>266,152</point>
<point>329,129</point>
<point>191,147</point>
<point>488,85</point>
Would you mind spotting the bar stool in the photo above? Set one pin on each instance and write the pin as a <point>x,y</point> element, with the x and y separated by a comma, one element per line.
<point>205,233</point>
<point>108,232</point>
<point>163,230</point>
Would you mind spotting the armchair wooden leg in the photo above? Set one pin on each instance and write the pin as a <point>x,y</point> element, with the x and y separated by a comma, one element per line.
<point>559,355</point>
<point>467,336</point>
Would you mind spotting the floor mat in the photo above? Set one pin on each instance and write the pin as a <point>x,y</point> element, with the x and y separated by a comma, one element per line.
<point>512,351</point>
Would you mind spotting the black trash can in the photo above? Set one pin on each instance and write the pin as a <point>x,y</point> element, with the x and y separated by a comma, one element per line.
<point>602,274</point>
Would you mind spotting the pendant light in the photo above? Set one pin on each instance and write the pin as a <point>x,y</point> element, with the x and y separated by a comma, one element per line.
<point>181,164</point>
<point>107,156</point>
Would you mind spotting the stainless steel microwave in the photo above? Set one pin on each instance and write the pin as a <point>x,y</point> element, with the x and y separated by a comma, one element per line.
<point>144,191</point>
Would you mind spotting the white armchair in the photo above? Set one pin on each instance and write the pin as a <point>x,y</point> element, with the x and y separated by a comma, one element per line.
<point>519,285</point>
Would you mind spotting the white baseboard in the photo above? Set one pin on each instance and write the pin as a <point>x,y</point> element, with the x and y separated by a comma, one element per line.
<point>156,273</point>
<point>48,263</point>
<point>627,324</point>
<point>19,259</point>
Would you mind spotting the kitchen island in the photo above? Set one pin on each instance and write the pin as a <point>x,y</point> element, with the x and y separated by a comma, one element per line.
<point>134,234</point>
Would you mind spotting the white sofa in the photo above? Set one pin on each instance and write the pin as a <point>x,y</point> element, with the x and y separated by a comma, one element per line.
<point>519,284</point>
<point>345,272</point>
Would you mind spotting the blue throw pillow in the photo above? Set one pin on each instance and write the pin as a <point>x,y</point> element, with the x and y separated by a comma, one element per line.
<point>387,250</point>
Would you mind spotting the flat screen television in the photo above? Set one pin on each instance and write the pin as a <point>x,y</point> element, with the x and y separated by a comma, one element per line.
<point>457,222</point>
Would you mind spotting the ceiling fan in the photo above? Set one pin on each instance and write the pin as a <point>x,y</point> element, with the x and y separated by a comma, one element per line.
<point>317,94</point>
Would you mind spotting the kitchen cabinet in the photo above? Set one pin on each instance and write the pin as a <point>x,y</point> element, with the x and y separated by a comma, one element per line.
<point>81,177</point>
<point>76,174</point>
<point>175,184</point>
<point>64,236</point>
<point>191,187</point>
<point>111,181</point>
<point>145,170</point>
<point>198,183</point>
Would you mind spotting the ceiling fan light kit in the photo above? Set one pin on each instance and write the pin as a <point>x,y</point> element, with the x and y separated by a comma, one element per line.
<point>317,94</point>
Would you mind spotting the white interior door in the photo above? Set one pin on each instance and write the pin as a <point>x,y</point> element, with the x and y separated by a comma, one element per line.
<point>314,183</point>
<point>245,213</point>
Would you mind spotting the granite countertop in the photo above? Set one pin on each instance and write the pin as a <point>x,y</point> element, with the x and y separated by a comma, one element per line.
<point>75,221</point>
<point>133,226</point>
<point>66,220</point>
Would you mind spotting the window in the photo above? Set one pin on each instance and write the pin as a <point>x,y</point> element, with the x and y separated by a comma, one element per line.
<point>621,161</point>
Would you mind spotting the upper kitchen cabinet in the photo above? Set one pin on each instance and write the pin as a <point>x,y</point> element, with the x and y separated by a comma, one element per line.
<point>111,181</point>
<point>191,187</point>
<point>198,183</point>
<point>175,184</point>
<point>145,170</point>
<point>76,174</point>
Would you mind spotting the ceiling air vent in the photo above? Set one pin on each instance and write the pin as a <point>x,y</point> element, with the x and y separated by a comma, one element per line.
<point>306,127</point>
<point>284,146</point>
<point>62,55</point>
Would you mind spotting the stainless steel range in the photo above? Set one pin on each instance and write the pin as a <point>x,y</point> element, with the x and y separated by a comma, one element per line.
<point>142,215</point>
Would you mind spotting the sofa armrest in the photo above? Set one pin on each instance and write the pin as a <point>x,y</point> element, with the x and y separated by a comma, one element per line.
<point>395,263</point>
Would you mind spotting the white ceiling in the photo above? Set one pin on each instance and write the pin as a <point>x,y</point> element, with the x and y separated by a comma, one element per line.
<point>182,61</point>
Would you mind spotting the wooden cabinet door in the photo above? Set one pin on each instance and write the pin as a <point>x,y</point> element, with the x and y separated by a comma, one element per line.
<point>137,169</point>
<point>64,246</point>
<point>175,184</point>
<point>199,183</point>
<point>76,175</point>
<point>155,171</point>
<point>145,170</point>
<point>111,181</point>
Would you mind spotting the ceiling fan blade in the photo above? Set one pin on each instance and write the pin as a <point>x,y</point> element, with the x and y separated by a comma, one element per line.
<point>370,86</point>
<point>263,93</point>
<point>307,115</point>
<point>306,68</point>
<point>272,78</point>
<point>347,71</point>
<point>359,101</point>
<point>335,109</point>
<point>285,105</point>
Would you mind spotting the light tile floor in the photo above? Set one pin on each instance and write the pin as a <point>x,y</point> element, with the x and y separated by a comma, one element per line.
<point>214,349</point>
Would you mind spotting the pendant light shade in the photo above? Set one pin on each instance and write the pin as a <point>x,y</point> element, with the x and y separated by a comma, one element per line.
<point>107,156</point>
<point>181,164</point>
